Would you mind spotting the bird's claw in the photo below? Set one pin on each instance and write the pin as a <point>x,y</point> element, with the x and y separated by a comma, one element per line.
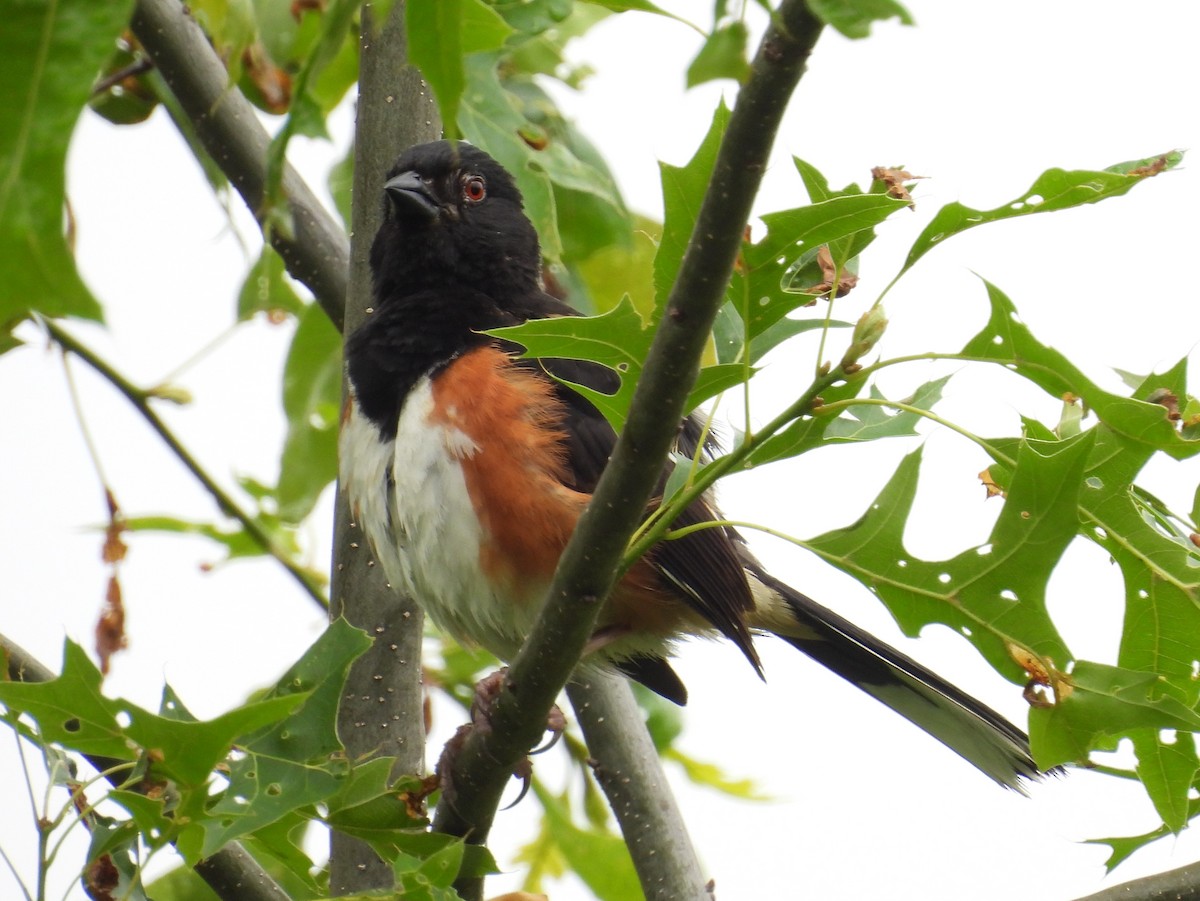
<point>486,692</point>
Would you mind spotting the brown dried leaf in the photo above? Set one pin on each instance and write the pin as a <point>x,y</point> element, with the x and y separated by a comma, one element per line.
<point>989,484</point>
<point>100,878</point>
<point>110,628</point>
<point>273,83</point>
<point>845,280</point>
<point>1153,169</point>
<point>1030,662</point>
<point>739,264</point>
<point>299,7</point>
<point>1168,399</point>
<point>114,548</point>
<point>895,180</point>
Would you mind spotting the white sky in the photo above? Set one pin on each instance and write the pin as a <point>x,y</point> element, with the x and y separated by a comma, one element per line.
<point>979,98</point>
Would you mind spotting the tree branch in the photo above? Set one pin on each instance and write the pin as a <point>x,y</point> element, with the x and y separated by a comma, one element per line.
<point>395,110</point>
<point>318,253</point>
<point>589,566</point>
<point>626,764</point>
<point>1182,884</point>
<point>224,500</point>
<point>232,873</point>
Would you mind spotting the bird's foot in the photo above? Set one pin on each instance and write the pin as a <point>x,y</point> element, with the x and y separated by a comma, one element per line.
<point>486,691</point>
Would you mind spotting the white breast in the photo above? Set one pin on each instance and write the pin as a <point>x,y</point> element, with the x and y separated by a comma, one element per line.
<point>410,499</point>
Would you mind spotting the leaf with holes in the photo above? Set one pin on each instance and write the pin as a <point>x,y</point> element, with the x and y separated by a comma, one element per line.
<point>994,594</point>
<point>1054,189</point>
<point>617,339</point>
<point>1007,341</point>
<point>1167,769</point>
<point>1103,702</point>
<point>293,762</point>
<point>776,272</point>
<point>72,711</point>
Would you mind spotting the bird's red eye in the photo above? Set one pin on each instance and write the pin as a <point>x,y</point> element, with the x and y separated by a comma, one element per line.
<point>474,188</point>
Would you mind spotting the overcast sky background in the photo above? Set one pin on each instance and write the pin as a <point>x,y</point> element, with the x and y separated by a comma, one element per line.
<point>979,98</point>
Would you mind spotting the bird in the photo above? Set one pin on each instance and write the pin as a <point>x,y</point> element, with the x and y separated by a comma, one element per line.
<point>467,466</point>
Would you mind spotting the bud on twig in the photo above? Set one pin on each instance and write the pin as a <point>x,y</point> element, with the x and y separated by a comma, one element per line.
<point>867,332</point>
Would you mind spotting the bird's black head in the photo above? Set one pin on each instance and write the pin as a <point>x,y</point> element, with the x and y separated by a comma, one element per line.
<point>453,218</point>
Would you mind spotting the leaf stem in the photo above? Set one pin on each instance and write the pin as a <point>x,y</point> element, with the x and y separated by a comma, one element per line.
<point>225,501</point>
<point>707,476</point>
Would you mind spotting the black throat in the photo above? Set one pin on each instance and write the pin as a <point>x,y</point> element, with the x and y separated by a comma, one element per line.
<point>408,338</point>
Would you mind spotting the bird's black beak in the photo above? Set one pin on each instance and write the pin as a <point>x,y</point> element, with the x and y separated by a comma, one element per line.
<point>410,194</point>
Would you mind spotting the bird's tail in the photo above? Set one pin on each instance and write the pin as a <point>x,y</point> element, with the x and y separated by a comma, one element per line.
<point>971,729</point>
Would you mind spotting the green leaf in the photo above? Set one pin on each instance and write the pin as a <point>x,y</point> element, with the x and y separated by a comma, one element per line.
<point>589,212</point>
<point>230,24</point>
<point>267,289</point>
<point>617,339</point>
<point>341,184</point>
<point>544,161</point>
<point>709,775</point>
<point>645,6</point>
<point>71,711</point>
<point>441,33</point>
<point>1167,770</point>
<point>617,271</point>
<point>778,332</point>
<point>855,423</point>
<point>853,18</point>
<point>50,52</point>
<point>778,272</point>
<point>1007,341</point>
<point>532,17</point>
<point>1103,701</point>
<point>596,856</point>
<point>306,114</point>
<point>722,56</point>
<point>869,422</point>
<point>994,594</point>
<point>312,397</point>
<point>1123,848</point>
<point>293,762</point>
<point>129,100</point>
<point>1054,189</point>
<point>683,191</point>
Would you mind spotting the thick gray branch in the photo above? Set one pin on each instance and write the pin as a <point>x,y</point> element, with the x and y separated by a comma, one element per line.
<point>231,873</point>
<point>381,710</point>
<point>317,254</point>
<point>1182,884</point>
<point>589,566</point>
<point>625,763</point>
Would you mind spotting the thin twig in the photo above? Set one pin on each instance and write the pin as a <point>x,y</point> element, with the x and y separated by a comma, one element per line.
<point>224,500</point>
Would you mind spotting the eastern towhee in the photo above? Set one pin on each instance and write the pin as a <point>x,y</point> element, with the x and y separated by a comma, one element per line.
<point>467,469</point>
